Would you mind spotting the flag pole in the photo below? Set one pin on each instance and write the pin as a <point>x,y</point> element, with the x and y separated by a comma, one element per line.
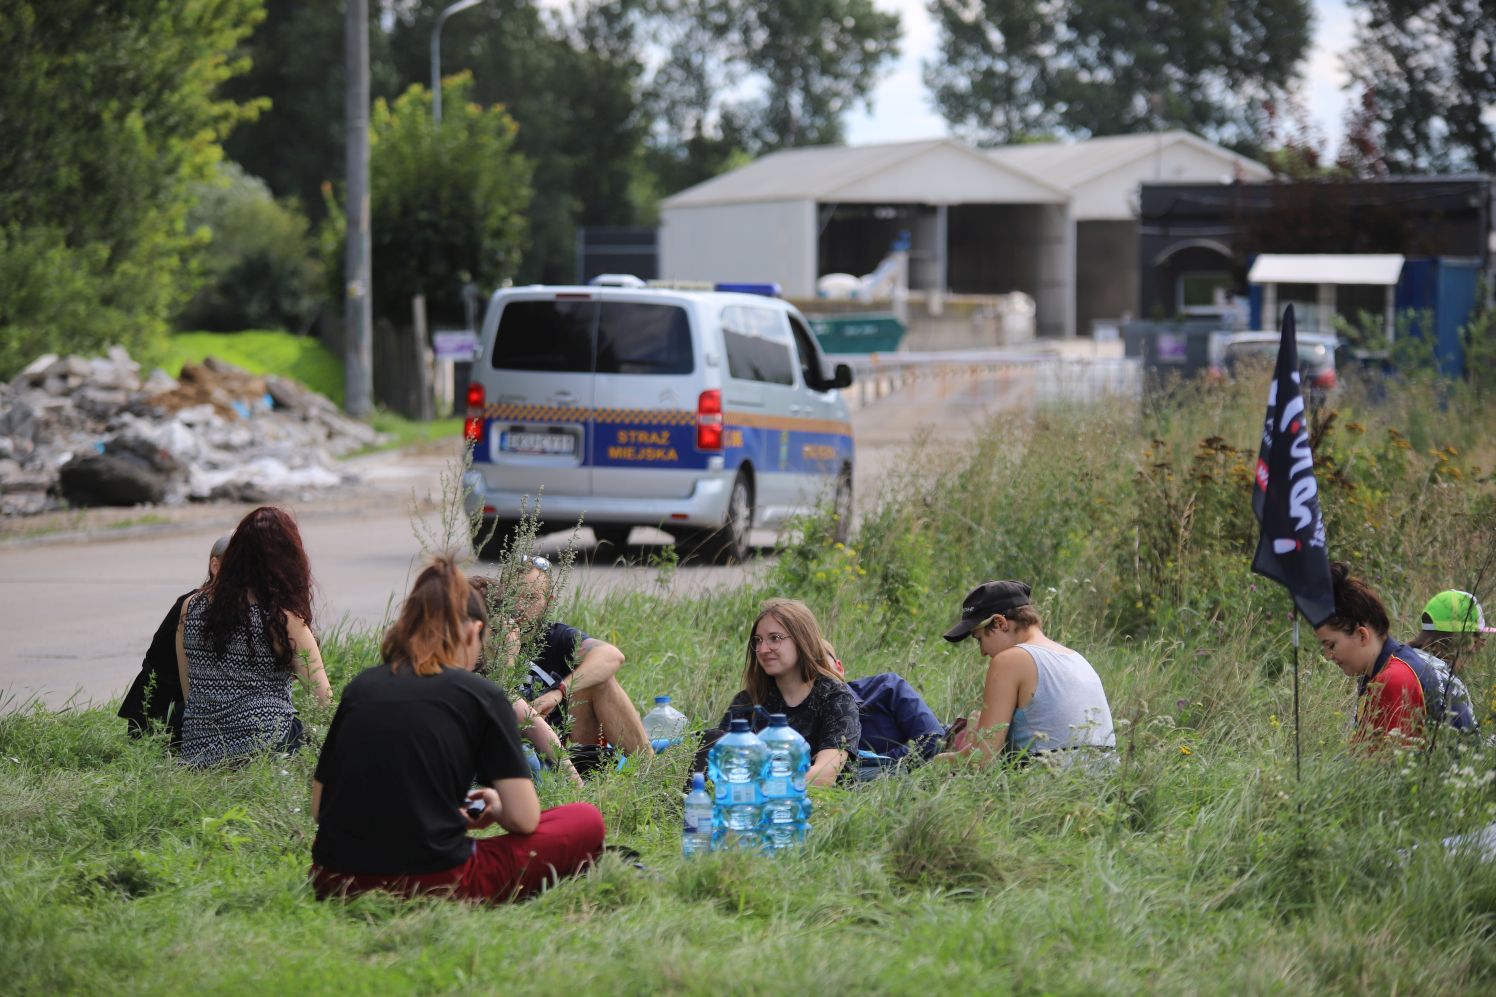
<point>1291,547</point>
<point>1297,773</point>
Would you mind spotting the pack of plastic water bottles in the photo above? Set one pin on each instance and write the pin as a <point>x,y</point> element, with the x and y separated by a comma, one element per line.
<point>758,799</point>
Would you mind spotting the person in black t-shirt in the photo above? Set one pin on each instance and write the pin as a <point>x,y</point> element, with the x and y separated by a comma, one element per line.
<point>789,672</point>
<point>391,792</point>
<point>573,679</point>
<point>155,697</point>
<point>532,726</point>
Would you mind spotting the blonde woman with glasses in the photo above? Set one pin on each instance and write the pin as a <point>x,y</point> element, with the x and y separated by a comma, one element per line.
<point>787,670</point>
<point>1039,696</point>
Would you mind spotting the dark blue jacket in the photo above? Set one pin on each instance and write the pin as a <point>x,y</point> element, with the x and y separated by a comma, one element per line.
<point>893,715</point>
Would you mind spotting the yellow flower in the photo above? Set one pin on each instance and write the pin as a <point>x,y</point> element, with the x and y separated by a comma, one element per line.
<point>1184,749</point>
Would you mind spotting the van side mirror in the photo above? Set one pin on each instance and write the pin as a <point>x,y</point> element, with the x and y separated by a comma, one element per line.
<point>842,378</point>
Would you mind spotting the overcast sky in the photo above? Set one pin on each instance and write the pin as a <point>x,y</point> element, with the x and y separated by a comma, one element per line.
<point>902,107</point>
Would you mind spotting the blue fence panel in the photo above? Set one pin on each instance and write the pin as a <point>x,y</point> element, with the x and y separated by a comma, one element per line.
<point>1457,283</point>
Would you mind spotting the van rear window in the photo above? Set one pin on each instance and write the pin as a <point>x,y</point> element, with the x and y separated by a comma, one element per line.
<point>559,336</point>
<point>643,339</point>
<point>545,335</point>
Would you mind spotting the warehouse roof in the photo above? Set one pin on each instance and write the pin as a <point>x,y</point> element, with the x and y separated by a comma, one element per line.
<point>930,171</point>
<point>945,170</point>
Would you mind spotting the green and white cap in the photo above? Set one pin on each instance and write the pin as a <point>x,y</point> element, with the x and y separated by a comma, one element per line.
<point>1455,612</point>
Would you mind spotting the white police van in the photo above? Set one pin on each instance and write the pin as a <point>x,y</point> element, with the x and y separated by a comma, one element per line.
<point>700,412</point>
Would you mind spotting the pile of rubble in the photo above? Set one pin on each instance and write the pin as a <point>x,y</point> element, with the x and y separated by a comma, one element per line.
<point>90,432</point>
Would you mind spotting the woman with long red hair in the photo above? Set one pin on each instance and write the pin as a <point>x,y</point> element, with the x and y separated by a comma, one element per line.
<point>240,640</point>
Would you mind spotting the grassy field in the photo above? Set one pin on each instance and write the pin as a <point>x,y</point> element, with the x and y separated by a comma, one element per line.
<point>1199,865</point>
<point>303,358</point>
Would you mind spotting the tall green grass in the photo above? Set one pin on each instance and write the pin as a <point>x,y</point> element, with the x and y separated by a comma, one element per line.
<point>1199,864</point>
<point>302,358</point>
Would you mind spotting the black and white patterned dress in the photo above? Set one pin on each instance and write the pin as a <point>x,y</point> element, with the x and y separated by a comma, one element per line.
<point>238,702</point>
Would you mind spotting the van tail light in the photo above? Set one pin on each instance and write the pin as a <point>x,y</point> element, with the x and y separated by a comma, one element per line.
<point>709,420</point>
<point>1324,379</point>
<point>472,426</point>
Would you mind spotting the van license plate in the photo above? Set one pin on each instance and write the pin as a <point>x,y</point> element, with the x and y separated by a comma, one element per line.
<point>540,443</point>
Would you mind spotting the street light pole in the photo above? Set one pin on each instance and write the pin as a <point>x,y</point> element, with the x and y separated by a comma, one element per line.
<point>436,55</point>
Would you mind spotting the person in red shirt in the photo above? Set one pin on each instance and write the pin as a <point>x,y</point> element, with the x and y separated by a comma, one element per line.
<point>1390,699</point>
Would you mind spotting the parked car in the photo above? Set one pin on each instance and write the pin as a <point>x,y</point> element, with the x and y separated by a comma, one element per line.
<point>1227,351</point>
<point>703,413</point>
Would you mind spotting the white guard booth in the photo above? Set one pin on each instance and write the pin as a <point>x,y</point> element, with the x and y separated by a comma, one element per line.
<point>1288,277</point>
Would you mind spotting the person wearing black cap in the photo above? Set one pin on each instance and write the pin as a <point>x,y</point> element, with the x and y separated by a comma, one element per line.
<point>1039,696</point>
<point>156,695</point>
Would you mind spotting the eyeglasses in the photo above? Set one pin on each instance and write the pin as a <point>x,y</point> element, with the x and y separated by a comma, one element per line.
<point>773,640</point>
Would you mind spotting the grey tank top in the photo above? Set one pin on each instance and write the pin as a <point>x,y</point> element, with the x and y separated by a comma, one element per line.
<point>1069,708</point>
<point>238,702</point>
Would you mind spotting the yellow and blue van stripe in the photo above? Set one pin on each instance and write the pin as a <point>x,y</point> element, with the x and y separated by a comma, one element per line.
<point>666,438</point>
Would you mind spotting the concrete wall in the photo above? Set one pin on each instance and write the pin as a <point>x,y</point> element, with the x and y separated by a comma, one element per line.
<point>760,241</point>
<point>948,321</point>
<point>1106,272</point>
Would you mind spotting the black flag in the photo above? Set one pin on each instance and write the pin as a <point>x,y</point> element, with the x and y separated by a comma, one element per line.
<point>1285,497</point>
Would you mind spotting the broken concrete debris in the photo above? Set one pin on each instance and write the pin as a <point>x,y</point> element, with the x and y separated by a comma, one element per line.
<point>90,431</point>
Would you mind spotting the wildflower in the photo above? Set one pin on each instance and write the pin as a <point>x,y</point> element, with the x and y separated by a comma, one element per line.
<point>1185,749</point>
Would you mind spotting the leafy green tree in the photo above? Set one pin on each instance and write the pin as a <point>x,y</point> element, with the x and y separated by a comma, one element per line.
<point>296,64</point>
<point>108,114</point>
<point>802,63</point>
<point>993,81</point>
<point>569,79</point>
<point>448,203</point>
<point>1011,71</point>
<point>262,271</point>
<point>1430,67</point>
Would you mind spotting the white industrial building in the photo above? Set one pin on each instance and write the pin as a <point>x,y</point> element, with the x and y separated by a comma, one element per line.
<point>1056,220</point>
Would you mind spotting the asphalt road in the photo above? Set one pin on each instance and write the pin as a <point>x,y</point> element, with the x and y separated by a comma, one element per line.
<point>77,611</point>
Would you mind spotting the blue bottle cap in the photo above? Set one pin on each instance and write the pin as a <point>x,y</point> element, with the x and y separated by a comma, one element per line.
<point>661,700</point>
<point>778,720</point>
<point>738,725</point>
<point>698,780</point>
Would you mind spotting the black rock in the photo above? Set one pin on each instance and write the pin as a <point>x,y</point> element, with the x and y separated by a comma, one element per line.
<point>99,479</point>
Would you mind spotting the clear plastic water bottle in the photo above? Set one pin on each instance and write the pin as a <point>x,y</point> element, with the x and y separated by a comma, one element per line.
<point>664,724</point>
<point>786,810</point>
<point>736,764</point>
<point>696,832</point>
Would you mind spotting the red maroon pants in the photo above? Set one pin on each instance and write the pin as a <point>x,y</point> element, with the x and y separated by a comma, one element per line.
<point>503,868</point>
